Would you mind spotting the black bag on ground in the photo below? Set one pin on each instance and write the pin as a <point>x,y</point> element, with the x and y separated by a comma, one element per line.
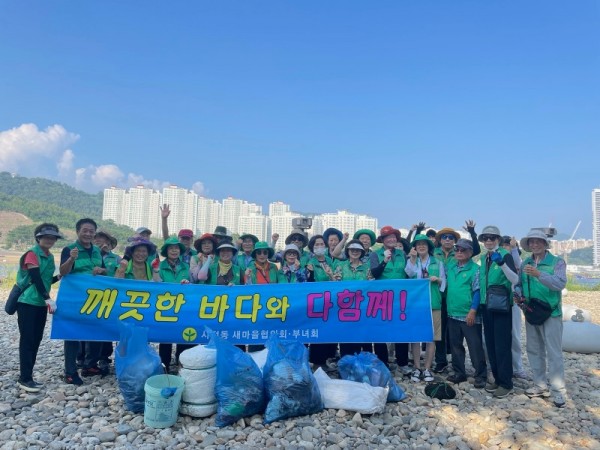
<point>13,298</point>
<point>536,311</point>
<point>440,390</point>
<point>497,298</point>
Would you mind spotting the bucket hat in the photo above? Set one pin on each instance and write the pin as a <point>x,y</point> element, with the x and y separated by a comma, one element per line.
<point>537,234</point>
<point>387,231</point>
<point>109,237</point>
<point>422,238</point>
<point>141,230</point>
<point>221,231</point>
<point>137,242</point>
<point>368,232</point>
<point>291,248</point>
<point>262,245</point>
<point>249,236</point>
<point>204,237</point>
<point>288,240</point>
<point>224,246</point>
<point>171,241</point>
<point>446,230</point>
<point>329,231</point>
<point>490,230</point>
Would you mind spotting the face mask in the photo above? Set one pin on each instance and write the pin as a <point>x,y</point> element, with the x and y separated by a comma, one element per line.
<point>319,251</point>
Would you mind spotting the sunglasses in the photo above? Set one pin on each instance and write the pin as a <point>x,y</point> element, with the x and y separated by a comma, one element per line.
<point>355,250</point>
<point>447,236</point>
<point>262,252</point>
<point>487,237</point>
<point>460,249</point>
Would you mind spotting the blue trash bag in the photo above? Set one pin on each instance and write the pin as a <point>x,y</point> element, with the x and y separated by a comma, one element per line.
<point>290,385</point>
<point>135,362</point>
<point>367,368</point>
<point>239,387</point>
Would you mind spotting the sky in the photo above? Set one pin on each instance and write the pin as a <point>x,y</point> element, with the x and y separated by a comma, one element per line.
<point>402,110</point>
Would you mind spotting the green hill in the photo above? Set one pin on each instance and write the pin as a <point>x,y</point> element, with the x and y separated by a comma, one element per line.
<point>43,200</point>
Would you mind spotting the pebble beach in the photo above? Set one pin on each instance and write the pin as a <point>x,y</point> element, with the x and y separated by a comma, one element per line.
<point>93,416</point>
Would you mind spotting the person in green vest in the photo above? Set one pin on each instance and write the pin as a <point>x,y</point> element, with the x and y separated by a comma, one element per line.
<point>171,269</point>
<point>299,238</point>
<point>82,257</point>
<point>244,257</point>
<point>205,245</point>
<point>292,271</point>
<point>260,269</point>
<point>367,238</point>
<point>106,243</point>
<point>350,269</point>
<point>185,235</point>
<point>544,276</point>
<point>320,268</point>
<point>223,272</point>
<point>35,276</point>
<point>497,269</point>
<point>389,262</point>
<point>464,322</point>
<point>422,264</point>
<point>444,251</point>
<point>135,265</point>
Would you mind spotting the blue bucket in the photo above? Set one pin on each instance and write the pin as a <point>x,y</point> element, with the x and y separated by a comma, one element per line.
<point>163,396</point>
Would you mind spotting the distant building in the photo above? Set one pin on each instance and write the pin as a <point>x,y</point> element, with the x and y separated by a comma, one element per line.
<point>596,226</point>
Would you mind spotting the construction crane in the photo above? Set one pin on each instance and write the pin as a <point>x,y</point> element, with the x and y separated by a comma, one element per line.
<point>569,245</point>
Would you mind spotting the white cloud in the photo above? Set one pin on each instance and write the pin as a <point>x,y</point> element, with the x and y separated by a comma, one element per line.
<point>27,150</point>
<point>32,152</point>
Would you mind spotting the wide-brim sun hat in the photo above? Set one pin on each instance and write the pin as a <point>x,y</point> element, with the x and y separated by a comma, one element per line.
<point>490,230</point>
<point>388,231</point>
<point>368,232</point>
<point>205,237</point>
<point>224,246</point>
<point>262,245</point>
<point>297,231</point>
<point>537,234</point>
<point>171,241</point>
<point>221,231</point>
<point>354,244</point>
<point>447,230</point>
<point>291,248</point>
<point>137,242</point>
<point>422,238</point>
<point>109,237</point>
<point>249,236</point>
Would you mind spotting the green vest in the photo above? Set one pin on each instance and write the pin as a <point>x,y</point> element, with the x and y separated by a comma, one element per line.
<point>394,269</point>
<point>84,262</point>
<point>214,274</point>
<point>360,272</point>
<point>304,257</point>
<point>533,288</point>
<point>168,275</point>
<point>441,256</point>
<point>240,261</point>
<point>460,288</point>
<point>434,288</point>
<point>319,272</point>
<point>494,276</point>
<point>272,275</point>
<point>111,263</point>
<point>31,295</point>
<point>129,271</point>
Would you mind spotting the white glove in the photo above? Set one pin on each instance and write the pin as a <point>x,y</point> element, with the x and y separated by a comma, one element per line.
<point>387,255</point>
<point>51,304</point>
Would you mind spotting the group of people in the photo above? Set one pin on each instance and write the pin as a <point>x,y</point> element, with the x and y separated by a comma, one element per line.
<point>459,288</point>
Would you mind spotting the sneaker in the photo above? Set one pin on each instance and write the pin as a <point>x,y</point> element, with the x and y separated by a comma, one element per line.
<point>73,379</point>
<point>479,384</point>
<point>559,401</point>
<point>491,387</point>
<point>454,378</point>
<point>92,371</point>
<point>28,386</point>
<point>537,391</point>
<point>521,374</point>
<point>502,392</point>
<point>416,376</point>
<point>427,376</point>
<point>440,367</point>
<point>405,370</point>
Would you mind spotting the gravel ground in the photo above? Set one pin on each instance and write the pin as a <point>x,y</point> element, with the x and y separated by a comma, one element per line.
<point>93,416</point>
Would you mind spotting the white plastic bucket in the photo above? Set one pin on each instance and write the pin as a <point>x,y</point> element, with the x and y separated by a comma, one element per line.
<point>163,395</point>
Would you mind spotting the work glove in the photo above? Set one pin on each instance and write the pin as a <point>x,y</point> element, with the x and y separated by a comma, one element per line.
<point>497,258</point>
<point>51,305</point>
<point>155,264</point>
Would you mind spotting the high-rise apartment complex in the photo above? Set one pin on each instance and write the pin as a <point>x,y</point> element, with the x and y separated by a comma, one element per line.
<point>140,206</point>
<point>596,225</point>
